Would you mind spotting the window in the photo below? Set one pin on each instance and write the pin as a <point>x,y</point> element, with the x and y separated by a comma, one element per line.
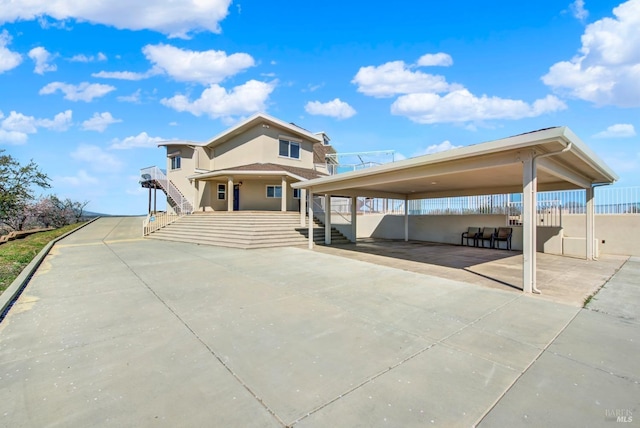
<point>175,162</point>
<point>222,191</point>
<point>296,193</point>
<point>274,191</point>
<point>289,149</point>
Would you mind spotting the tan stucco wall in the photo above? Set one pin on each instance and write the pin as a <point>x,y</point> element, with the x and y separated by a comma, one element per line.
<point>260,145</point>
<point>253,196</point>
<point>615,233</point>
<point>448,229</point>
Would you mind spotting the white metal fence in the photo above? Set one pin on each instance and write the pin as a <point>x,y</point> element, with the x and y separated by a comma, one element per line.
<point>551,206</point>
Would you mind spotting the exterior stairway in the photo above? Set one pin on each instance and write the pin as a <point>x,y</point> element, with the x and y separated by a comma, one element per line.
<point>245,229</point>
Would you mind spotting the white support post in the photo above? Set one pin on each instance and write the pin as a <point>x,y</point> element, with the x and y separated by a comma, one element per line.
<point>196,199</point>
<point>310,202</point>
<point>327,219</point>
<point>229,193</point>
<point>354,219</point>
<point>283,200</point>
<point>303,205</point>
<point>590,235</point>
<point>528,224</point>
<point>406,218</point>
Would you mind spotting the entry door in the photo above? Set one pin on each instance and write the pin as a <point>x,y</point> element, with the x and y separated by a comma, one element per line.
<point>236,197</point>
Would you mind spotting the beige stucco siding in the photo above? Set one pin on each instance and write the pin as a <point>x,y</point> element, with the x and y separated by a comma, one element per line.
<point>253,196</point>
<point>260,145</point>
<point>179,176</point>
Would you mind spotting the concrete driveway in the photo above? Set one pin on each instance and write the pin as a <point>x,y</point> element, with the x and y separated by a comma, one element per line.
<point>115,330</point>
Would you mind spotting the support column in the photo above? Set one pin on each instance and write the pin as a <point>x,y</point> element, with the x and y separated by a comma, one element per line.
<point>196,195</point>
<point>310,204</point>
<point>283,200</point>
<point>528,224</point>
<point>149,199</point>
<point>327,219</point>
<point>406,218</point>
<point>303,206</point>
<point>354,218</point>
<point>590,232</point>
<point>229,193</point>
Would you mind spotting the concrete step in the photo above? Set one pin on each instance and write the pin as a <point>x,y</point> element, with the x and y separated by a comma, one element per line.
<point>244,230</point>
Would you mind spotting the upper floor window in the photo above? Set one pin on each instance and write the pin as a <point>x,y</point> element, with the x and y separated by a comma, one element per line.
<point>289,149</point>
<point>175,162</point>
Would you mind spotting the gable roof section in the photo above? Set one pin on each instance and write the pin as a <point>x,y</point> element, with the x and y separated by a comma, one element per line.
<point>262,169</point>
<point>486,168</point>
<point>245,125</point>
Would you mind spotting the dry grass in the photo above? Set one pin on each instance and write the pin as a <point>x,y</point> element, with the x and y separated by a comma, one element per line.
<point>16,255</point>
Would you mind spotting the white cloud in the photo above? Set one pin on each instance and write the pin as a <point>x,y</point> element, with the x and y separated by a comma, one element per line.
<point>60,122</point>
<point>43,59</point>
<point>12,137</point>
<point>438,59</point>
<point>436,148</point>
<point>97,159</point>
<point>85,91</point>
<point>8,59</point>
<point>395,77</point>
<point>82,178</point>
<point>463,106</point>
<point>619,130</point>
<point>133,98</point>
<point>205,67</point>
<point>216,102</point>
<point>578,10</point>
<point>177,18</point>
<point>142,140</point>
<point>607,69</point>
<point>18,122</point>
<point>91,58</point>
<point>335,108</point>
<point>99,122</point>
<point>126,75</point>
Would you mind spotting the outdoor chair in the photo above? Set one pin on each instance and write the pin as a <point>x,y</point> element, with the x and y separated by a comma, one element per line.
<point>503,235</point>
<point>470,234</point>
<point>487,234</point>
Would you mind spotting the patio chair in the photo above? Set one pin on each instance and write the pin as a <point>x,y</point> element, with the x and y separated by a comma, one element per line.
<point>487,234</point>
<point>470,234</point>
<point>503,235</point>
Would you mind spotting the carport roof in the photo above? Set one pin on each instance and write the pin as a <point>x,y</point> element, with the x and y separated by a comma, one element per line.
<point>487,168</point>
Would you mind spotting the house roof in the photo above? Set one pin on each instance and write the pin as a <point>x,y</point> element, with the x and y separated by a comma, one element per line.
<point>243,126</point>
<point>487,168</point>
<point>320,152</point>
<point>261,169</point>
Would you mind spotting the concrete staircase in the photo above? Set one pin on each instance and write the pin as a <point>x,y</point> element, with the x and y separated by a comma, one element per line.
<point>245,229</point>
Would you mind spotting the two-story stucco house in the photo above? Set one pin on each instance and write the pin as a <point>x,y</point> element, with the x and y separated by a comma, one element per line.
<point>250,166</point>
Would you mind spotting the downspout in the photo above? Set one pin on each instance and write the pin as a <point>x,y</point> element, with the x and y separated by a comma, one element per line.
<point>534,167</point>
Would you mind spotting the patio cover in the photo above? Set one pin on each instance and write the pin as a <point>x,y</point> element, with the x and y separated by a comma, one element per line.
<point>543,160</point>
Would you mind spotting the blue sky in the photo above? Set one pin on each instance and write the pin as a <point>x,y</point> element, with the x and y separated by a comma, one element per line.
<point>88,90</point>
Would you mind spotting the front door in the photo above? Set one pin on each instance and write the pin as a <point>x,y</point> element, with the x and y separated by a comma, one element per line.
<point>236,197</point>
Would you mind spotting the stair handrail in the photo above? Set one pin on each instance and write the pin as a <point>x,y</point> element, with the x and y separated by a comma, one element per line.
<point>156,221</point>
<point>318,207</point>
<point>183,205</point>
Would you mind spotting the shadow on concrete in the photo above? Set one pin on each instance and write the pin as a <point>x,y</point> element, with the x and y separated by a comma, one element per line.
<point>426,257</point>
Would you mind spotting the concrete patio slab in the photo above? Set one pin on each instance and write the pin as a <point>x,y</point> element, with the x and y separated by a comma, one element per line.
<point>560,392</point>
<point>117,330</point>
<point>427,390</point>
